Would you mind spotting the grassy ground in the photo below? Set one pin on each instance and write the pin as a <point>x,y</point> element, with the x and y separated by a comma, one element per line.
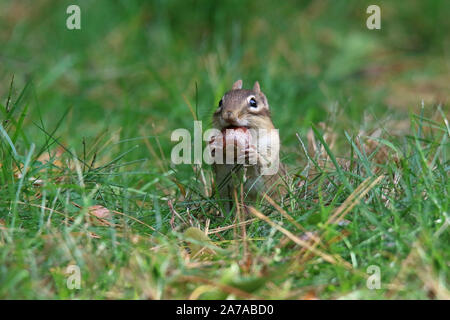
<point>85,175</point>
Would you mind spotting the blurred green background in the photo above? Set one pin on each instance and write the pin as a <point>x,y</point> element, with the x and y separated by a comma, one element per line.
<point>139,69</point>
<point>136,65</point>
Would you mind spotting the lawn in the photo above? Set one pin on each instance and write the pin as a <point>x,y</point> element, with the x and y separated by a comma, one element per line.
<point>87,186</point>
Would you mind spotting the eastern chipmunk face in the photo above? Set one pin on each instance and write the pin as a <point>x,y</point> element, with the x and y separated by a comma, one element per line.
<point>243,108</point>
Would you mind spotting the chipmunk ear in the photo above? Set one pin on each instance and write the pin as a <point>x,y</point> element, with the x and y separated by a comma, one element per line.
<point>237,85</point>
<point>256,87</point>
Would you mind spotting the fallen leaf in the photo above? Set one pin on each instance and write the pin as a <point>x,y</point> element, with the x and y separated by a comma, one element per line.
<point>310,295</point>
<point>202,245</point>
<point>52,157</point>
<point>2,224</point>
<point>99,212</point>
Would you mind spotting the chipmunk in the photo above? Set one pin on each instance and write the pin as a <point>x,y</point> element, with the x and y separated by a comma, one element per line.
<point>247,111</point>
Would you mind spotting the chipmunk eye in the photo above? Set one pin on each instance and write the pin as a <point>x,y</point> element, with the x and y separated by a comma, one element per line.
<point>220,103</point>
<point>252,103</point>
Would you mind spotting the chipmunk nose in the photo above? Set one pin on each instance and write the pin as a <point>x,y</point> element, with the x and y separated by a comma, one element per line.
<point>229,116</point>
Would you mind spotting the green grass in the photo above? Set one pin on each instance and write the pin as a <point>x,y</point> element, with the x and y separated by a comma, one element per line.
<point>87,121</point>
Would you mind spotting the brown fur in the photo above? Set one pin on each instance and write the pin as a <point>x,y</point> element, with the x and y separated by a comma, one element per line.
<point>235,110</point>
